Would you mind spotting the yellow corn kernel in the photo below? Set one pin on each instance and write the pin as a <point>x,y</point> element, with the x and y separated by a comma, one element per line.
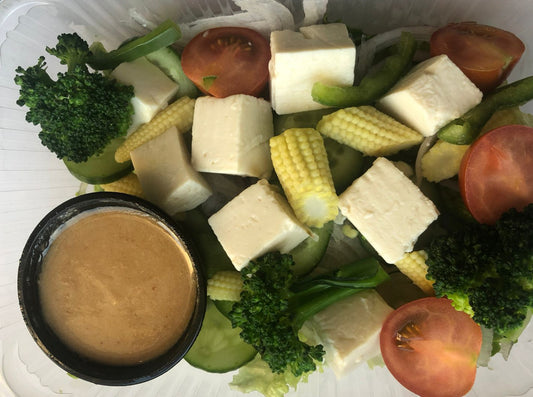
<point>179,114</point>
<point>413,265</point>
<point>225,285</point>
<point>128,184</point>
<point>368,130</point>
<point>301,164</point>
<point>442,161</point>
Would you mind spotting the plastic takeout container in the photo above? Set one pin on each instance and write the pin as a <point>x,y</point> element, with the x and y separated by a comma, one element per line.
<point>33,180</point>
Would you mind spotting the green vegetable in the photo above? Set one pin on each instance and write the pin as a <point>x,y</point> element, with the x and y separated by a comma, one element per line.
<point>308,254</point>
<point>169,62</point>
<point>72,109</point>
<point>346,164</point>
<point>162,36</point>
<point>218,347</point>
<point>465,129</point>
<point>212,254</point>
<point>374,85</point>
<point>101,168</point>
<point>257,376</point>
<point>274,306</point>
<point>487,271</point>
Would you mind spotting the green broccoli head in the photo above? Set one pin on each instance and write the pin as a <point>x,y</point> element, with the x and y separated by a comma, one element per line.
<point>80,112</point>
<point>487,271</point>
<point>274,305</point>
<point>71,50</point>
<point>461,302</point>
<point>266,321</point>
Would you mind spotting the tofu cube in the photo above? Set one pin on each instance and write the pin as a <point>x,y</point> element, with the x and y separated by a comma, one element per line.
<point>166,176</point>
<point>152,88</point>
<point>319,53</point>
<point>230,136</point>
<point>388,209</point>
<point>435,92</point>
<point>257,221</point>
<point>349,330</point>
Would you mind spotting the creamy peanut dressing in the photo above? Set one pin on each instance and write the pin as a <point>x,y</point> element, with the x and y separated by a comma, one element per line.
<point>117,287</point>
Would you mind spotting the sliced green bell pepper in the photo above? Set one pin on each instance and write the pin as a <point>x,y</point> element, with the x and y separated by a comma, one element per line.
<point>374,85</point>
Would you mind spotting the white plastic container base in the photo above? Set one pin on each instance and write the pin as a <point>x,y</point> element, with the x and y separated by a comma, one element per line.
<point>33,180</point>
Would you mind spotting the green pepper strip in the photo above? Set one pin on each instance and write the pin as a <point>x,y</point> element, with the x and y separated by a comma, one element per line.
<point>465,129</point>
<point>374,85</point>
<point>162,36</point>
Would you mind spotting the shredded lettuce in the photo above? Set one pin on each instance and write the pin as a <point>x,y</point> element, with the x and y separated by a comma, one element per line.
<point>257,376</point>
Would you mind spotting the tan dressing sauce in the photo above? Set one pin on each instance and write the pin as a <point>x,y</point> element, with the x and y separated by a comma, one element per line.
<point>117,287</point>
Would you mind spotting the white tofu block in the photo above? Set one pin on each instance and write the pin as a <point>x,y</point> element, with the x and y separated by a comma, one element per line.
<point>349,330</point>
<point>230,136</point>
<point>320,53</point>
<point>166,176</point>
<point>435,92</point>
<point>388,209</point>
<point>257,221</point>
<point>152,88</point>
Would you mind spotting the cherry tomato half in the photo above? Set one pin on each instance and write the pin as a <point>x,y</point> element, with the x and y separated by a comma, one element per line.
<point>496,172</point>
<point>431,348</point>
<point>485,54</point>
<point>226,61</point>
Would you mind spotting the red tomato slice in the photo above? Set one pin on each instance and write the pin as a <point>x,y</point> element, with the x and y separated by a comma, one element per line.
<point>227,61</point>
<point>496,172</point>
<point>431,348</point>
<point>485,54</point>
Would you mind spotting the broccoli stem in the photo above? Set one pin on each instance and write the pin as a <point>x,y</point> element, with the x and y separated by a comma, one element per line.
<point>162,36</point>
<point>374,85</point>
<point>465,129</point>
<point>312,296</point>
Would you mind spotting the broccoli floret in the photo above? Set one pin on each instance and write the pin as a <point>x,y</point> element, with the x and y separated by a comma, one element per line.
<point>274,306</point>
<point>81,111</point>
<point>71,50</point>
<point>487,271</point>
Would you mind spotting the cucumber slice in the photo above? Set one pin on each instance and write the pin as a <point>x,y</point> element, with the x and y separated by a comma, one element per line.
<point>218,347</point>
<point>101,169</point>
<point>212,254</point>
<point>308,253</point>
<point>169,62</point>
<point>346,164</point>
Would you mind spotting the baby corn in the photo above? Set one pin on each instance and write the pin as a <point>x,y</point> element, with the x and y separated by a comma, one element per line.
<point>413,265</point>
<point>368,130</point>
<point>301,164</point>
<point>128,184</point>
<point>225,285</point>
<point>179,114</point>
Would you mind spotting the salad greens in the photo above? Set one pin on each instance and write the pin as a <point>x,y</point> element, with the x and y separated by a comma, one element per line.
<point>373,85</point>
<point>162,36</point>
<point>273,307</point>
<point>465,129</point>
<point>487,271</point>
<point>70,109</point>
<point>257,376</point>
